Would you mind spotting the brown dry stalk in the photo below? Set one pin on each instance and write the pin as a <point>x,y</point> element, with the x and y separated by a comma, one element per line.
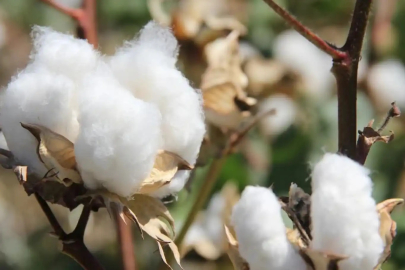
<point>345,66</point>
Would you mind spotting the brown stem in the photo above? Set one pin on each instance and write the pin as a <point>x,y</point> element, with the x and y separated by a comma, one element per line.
<point>85,17</point>
<point>124,234</point>
<point>72,244</point>
<point>345,65</point>
<point>306,32</point>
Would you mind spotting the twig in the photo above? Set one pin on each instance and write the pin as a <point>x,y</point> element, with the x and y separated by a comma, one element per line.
<point>124,234</point>
<point>72,244</point>
<point>345,66</point>
<point>85,17</point>
<point>306,32</point>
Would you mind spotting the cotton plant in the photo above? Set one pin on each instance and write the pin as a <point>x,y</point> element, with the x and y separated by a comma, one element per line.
<point>339,226</point>
<point>124,129</point>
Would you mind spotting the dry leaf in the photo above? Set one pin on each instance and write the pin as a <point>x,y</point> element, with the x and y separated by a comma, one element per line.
<point>238,262</point>
<point>57,154</point>
<point>387,226</point>
<point>201,21</point>
<point>152,217</point>
<point>318,260</point>
<point>166,166</point>
<point>225,102</point>
<point>294,236</point>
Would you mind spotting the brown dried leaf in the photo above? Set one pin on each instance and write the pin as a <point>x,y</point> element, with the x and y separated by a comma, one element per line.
<point>56,152</point>
<point>223,83</point>
<point>152,217</point>
<point>294,236</point>
<point>238,262</point>
<point>387,226</point>
<point>318,260</point>
<point>166,166</point>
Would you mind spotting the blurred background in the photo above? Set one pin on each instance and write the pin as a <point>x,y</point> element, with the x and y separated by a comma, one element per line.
<point>284,71</point>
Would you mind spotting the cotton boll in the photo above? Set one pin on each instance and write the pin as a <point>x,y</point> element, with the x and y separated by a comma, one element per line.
<point>344,216</point>
<point>286,111</point>
<point>261,232</point>
<point>300,55</point>
<point>119,135</point>
<point>152,58</point>
<point>63,53</point>
<point>387,82</point>
<point>37,96</point>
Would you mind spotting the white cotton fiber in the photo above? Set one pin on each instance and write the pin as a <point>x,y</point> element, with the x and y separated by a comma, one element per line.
<point>37,96</point>
<point>146,66</point>
<point>387,82</point>
<point>344,216</point>
<point>286,112</point>
<point>119,135</point>
<point>63,53</point>
<point>261,232</point>
<point>300,55</point>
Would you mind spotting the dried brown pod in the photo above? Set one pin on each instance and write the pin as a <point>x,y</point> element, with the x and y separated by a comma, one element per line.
<point>225,102</point>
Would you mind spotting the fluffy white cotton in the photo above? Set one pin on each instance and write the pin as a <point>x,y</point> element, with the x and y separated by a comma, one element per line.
<point>344,216</point>
<point>3,142</point>
<point>37,96</point>
<point>63,53</point>
<point>286,112</point>
<point>119,135</point>
<point>146,66</point>
<point>300,55</point>
<point>386,81</point>
<point>261,232</point>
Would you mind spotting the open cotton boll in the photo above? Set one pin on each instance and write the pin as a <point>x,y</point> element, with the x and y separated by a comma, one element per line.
<point>387,82</point>
<point>119,135</point>
<point>261,232</point>
<point>300,55</point>
<point>63,53</point>
<point>37,96</point>
<point>146,66</point>
<point>286,111</point>
<point>344,216</point>
<point>176,184</point>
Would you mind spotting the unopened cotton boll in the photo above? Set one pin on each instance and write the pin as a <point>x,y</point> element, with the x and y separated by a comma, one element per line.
<point>344,216</point>
<point>286,111</point>
<point>261,232</point>
<point>63,53</point>
<point>300,55</point>
<point>41,97</point>
<point>146,66</point>
<point>119,135</point>
<point>387,82</point>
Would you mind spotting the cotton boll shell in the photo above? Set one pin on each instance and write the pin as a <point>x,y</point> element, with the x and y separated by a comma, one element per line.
<point>63,53</point>
<point>37,96</point>
<point>261,232</point>
<point>344,216</point>
<point>304,58</point>
<point>386,81</point>
<point>119,135</point>
<point>286,112</point>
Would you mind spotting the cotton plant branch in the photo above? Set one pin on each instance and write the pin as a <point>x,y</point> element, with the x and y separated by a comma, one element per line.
<point>85,17</point>
<point>345,66</point>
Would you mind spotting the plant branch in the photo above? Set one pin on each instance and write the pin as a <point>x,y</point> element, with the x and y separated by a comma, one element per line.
<point>306,32</point>
<point>72,244</point>
<point>85,17</point>
<point>345,66</point>
<point>124,235</point>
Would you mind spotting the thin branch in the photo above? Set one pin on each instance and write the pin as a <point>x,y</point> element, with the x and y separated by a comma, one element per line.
<point>306,32</point>
<point>57,229</point>
<point>124,234</point>
<point>85,17</point>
